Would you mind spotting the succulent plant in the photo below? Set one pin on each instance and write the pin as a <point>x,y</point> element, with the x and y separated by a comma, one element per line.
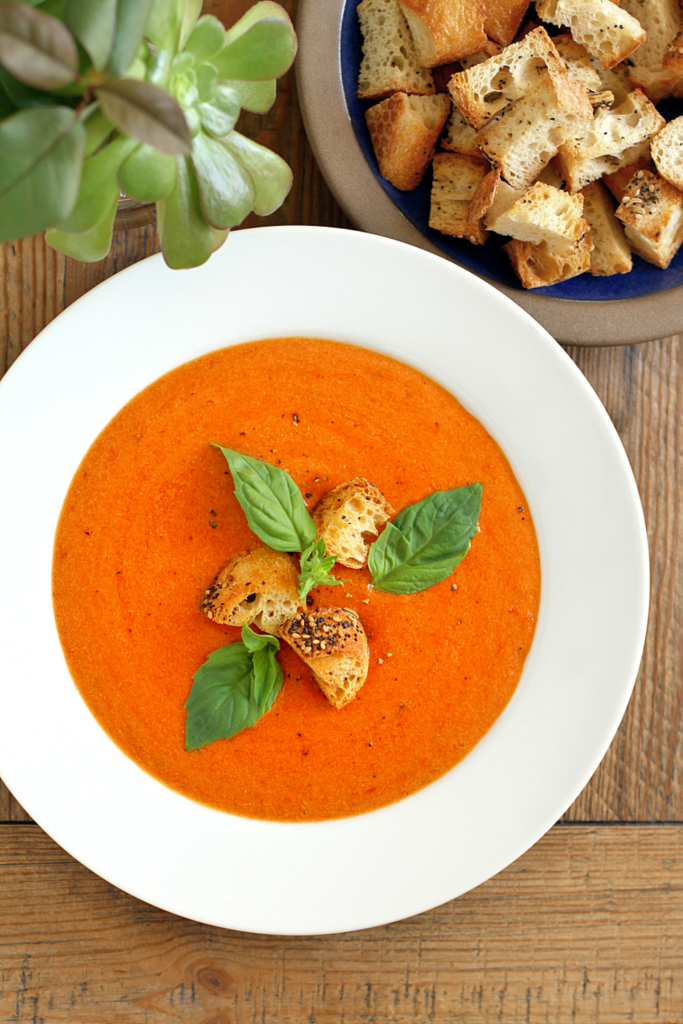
<point>141,97</point>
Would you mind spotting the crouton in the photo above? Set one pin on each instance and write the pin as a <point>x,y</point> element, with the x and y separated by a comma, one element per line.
<point>616,80</point>
<point>445,30</point>
<point>667,153</point>
<point>578,60</point>
<point>491,50</point>
<point>404,131</point>
<point>537,266</point>
<point>613,139</point>
<point>389,62</point>
<point>503,18</point>
<point>617,180</point>
<point>455,182</point>
<point>333,644</point>
<point>661,19</point>
<point>609,33</point>
<point>524,138</point>
<point>349,518</point>
<point>544,214</point>
<point>459,137</point>
<point>651,211</point>
<point>493,198</point>
<point>258,587</point>
<point>480,92</point>
<point>611,253</point>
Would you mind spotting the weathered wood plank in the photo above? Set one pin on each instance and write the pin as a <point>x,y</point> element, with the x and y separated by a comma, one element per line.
<point>587,926</point>
<point>641,779</point>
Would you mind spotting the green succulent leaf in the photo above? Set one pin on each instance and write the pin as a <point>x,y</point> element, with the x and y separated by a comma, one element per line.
<point>98,128</point>
<point>261,10</point>
<point>35,47</point>
<point>271,501</point>
<point>220,115</point>
<point>219,238</point>
<point>131,19</point>
<point>148,174</point>
<point>163,26</point>
<point>426,541</point>
<point>187,240</point>
<point>207,37</point>
<point>266,50</point>
<point>160,67</point>
<point>189,12</point>
<point>93,22</point>
<point>272,177</point>
<point>147,113</point>
<point>41,152</point>
<point>207,82</point>
<point>99,186</point>
<point>88,246</point>
<point>184,87</point>
<point>257,97</point>
<point>226,189</point>
<point>316,568</point>
<point>234,687</point>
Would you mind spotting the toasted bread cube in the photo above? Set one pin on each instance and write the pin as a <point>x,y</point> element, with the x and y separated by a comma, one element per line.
<point>616,80</point>
<point>651,211</point>
<point>611,253</point>
<point>618,180</point>
<point>661,19</point>
<point>482,91</point>
<point>493,198</point>
<point>349,518</point>
<point>538,266</point>
<point>445,30</point>
<point>544,214</point>
<point>667,153</point>
<point>332,642</point>
<point>491,50</point>
<point>524,139</point>
<point>389,62</point>
<point>609,33</point>
<point>578,61</point>
<point>459,137</point>
<point>503,19</point>
<point>615,138</point>
<point>404,131</point>
<point>456,180</point>
<point>258,587</point>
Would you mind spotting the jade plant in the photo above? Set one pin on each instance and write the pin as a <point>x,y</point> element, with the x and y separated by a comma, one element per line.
<point>100,98</point>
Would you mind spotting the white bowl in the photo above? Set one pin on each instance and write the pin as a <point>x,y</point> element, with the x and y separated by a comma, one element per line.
<point>273,877</point>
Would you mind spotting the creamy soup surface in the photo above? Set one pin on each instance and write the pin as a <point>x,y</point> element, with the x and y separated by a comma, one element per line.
<point>151,517</point>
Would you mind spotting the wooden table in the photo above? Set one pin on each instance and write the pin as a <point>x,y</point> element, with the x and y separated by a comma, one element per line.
<point>587,926</point>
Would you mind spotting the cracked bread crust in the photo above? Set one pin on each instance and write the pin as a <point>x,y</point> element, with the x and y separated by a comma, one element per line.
<point>256,587</point>
<point>332,642</point>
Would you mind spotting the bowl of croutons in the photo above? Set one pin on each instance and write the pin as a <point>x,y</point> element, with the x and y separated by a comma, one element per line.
<point>540,146</point>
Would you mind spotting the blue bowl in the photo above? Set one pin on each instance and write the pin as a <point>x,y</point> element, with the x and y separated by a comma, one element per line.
<point>489,260</point>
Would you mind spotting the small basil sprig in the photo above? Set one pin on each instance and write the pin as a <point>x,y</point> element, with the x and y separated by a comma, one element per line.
<point>235,686</point>
<point>315,568</point>
<point>272,503</point>
<point>425,541</point>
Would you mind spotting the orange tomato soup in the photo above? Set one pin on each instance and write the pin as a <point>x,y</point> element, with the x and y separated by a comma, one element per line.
<point>151,517</point>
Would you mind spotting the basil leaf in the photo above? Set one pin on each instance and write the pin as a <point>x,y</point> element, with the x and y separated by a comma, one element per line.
<point>315,568</point>
<point>272,502</point>
<point>234,687</point>
<point>426,541</point>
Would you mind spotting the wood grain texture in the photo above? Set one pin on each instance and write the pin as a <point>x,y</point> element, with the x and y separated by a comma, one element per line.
<point>75,949</point>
